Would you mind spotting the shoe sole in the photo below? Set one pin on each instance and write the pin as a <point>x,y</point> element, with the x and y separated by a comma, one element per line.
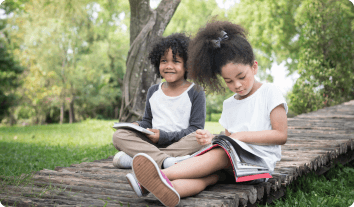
<point>148,175</point>
<point>135,187</point>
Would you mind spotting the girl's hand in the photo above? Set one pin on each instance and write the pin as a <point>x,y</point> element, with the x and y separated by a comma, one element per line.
<point>203,136</point>
<point>154,138</point>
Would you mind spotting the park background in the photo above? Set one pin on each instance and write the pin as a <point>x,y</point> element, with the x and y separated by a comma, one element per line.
<point>63,66</point>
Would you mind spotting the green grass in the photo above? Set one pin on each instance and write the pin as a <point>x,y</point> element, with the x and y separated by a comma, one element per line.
<point>28,149</point>
<point>33,148</point>
<point>333,189</point>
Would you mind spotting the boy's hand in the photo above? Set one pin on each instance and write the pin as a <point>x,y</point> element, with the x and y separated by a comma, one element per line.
<point>203,136</point>
<point>154,138</point>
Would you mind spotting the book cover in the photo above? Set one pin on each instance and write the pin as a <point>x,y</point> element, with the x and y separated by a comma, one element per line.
<point>133,127</point>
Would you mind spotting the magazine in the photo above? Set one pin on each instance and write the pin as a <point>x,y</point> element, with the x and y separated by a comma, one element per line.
<point>132,126</point>
<point>246,167</point>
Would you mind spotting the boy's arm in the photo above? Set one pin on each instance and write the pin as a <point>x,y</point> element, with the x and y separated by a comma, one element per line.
<point>196,120</point>
<point>277,136</point>
<point>146,122</point>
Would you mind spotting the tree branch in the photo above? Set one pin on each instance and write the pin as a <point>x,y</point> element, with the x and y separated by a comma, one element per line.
<point>165,12</point>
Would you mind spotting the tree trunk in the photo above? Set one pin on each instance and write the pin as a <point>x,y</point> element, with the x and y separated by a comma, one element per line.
<point>62,107</point>
<point>71,110</point>
<point>145,26</point>
<point>116,112</point>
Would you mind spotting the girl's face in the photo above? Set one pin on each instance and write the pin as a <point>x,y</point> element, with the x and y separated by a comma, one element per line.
<point>172,70</point>
<point>239,78</point>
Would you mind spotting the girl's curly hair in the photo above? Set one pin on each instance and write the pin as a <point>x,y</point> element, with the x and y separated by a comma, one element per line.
<point>214,46</point>
<point>178,42</point>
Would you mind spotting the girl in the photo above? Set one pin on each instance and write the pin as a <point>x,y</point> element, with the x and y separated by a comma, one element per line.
<point>255,114</point>
<point>174,110</point>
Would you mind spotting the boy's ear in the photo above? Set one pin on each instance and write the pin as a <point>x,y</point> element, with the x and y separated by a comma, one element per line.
<point>255,67</point>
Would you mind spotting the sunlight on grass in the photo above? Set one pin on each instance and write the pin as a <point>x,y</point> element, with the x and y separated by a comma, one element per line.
<point>214,127</point>
<point>33,148</point>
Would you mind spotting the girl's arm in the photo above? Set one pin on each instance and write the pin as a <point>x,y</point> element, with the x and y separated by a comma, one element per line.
<point>277,136</point>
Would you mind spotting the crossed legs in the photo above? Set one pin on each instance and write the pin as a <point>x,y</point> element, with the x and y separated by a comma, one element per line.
<point>193,175</point>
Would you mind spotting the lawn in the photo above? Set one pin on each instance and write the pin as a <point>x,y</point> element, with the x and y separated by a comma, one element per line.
<point>33,148</point>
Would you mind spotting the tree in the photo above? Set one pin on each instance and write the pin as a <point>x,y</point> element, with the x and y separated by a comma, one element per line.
<point>191,15</point>
<point>65,48</point>
<point>10,70</point>
<point>326,55</point>
<point>146,25</point>
<point>272,31</point>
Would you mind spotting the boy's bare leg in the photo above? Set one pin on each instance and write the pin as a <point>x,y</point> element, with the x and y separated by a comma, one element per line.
<point>199,167</point>
<point>189,187</point>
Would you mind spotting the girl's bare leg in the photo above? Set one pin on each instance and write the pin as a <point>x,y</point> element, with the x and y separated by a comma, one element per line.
<point>189,187</point>
<point>199,167</point>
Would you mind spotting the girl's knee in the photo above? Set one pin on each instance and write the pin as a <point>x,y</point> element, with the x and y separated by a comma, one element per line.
<point>222,155</point>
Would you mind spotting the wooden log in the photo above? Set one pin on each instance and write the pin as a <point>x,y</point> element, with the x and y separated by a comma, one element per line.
<point>106,178</point>
<point>275,183</point>
<point>283,177</point>
<point>64,183</point>
<point>93,170</point>
<point>127,194</point>
<point>246,193</point>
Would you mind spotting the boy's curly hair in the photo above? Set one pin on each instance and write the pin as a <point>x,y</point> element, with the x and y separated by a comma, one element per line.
<point>178,42</point>
<point>214,46</point>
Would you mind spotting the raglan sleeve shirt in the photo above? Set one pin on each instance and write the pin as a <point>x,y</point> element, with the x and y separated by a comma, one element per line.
<point>196,120</point>
<point>146,122</point>
<point>167,113</point>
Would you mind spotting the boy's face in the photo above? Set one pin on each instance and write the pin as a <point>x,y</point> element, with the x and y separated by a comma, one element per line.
<point>172,70</point>
<point>239,78</point>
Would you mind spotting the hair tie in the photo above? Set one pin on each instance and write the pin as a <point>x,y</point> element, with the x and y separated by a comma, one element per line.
<point>217,42</point>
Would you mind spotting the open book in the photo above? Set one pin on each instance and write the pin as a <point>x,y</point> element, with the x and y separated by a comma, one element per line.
<point>132,127</point>
<point>246,164</point>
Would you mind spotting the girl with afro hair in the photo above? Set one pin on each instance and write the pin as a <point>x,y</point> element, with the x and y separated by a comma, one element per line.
<point>256,115</point>
<point>174,110</point>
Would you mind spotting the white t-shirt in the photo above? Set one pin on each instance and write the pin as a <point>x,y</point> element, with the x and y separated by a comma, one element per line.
<point>253,114</point>
<point>170,113</point>
<point>175,117</point>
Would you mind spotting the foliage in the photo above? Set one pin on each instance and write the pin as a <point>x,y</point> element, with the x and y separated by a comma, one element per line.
<point>73,53</point>
<point>13,5</point>
<point>191,15</point>
<point>271,29</point>
<point>10,70</point>
<point>325,55</point>
<point>335,188</point>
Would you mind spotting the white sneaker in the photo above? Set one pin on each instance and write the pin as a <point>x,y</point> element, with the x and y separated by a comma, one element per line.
<point>138,189</point>
<point>168,162</point>
<point>122,160</point>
